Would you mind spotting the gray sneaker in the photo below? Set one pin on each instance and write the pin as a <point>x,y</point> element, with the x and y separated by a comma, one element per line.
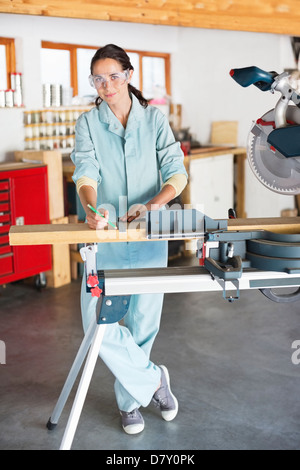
<point>132,421</point>
<point>164,398</point>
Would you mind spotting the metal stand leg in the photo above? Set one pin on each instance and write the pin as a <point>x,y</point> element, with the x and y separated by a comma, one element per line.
<point>81,355</point>
<point>83,388</point>
<point>112,310</point>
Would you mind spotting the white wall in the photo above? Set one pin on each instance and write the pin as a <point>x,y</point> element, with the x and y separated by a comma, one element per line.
<point>201,61</point>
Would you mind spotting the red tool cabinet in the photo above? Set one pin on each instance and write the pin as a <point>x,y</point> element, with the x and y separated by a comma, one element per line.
<point>23,200</point>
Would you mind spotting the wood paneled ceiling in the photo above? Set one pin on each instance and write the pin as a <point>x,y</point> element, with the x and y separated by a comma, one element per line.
<point>268,16</point>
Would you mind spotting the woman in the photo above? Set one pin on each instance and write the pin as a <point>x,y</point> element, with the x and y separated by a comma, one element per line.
<point>123,149</point>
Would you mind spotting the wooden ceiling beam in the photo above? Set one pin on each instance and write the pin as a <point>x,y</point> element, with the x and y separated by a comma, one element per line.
<point>267,16</point>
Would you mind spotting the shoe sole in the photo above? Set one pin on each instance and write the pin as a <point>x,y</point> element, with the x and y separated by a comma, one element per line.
<point>169,415</point>
<point>134,428</point>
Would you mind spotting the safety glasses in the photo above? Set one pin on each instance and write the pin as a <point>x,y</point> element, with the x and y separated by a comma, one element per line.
<point>116,79</point>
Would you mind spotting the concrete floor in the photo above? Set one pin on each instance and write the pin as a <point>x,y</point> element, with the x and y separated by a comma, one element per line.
<point>230,367</point>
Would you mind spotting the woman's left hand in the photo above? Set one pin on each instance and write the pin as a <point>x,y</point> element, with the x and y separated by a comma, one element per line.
<point>137,211</point>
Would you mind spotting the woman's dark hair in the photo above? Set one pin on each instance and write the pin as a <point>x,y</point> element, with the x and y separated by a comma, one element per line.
<point>111,51</point>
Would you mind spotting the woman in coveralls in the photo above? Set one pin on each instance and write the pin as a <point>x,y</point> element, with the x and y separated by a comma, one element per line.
<point>123,149</point>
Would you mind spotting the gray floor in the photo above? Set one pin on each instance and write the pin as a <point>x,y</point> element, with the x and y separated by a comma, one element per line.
<point>230,367</point>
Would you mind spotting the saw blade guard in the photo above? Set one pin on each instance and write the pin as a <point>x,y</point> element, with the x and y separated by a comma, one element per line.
<point>271,168</point>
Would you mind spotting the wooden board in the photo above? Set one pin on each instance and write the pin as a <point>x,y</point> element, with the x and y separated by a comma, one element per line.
<point>272,224</point>
<point>269,16</point>
<point>60,274</point>
<point>70,233</point>
<point>8,166</point>
<point>224,132</point>
<point>81,233</point>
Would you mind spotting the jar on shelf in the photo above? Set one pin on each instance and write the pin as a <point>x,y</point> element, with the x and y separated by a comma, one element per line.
<point>29,144</point>
<point>27,117</point>
<point>63,143</point>
<point>2,98</point>
<point>49,117</point>
<point>17,97</point>
<point>35,117</point>
<point>36,144</point>
<point>9,98</point>
<point>70,142</point>
<point>62,116</point>
<point>62,129</point>
<point>49,130</point>
<point>69,115</point>
<point>55,116</point>
<point>50,144</point>
<point>29,132</point>
<point>46,95</point>
<point>42,129</point>
<point>55,129</point>
<point>56,143</point>
<point>36,130</point>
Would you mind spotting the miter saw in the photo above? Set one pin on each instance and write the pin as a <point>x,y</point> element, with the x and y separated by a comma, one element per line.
<point>274,140</point>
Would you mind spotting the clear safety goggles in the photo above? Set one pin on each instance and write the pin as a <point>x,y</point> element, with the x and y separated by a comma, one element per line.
<point>116,79</point>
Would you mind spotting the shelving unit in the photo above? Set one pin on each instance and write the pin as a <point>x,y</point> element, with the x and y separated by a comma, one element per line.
<point>51,128</point>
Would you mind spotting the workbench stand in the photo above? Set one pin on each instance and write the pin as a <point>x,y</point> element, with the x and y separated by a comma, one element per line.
<point>229,261</point>
<point>112,309</point>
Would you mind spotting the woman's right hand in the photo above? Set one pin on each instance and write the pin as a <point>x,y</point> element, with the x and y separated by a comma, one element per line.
<point>95,221</point>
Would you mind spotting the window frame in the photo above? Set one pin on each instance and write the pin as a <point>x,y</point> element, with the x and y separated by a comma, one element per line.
<point>72,48</point>
<point>10,55</point>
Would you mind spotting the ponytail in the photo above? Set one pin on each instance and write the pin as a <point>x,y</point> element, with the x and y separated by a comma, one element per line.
<point>138,94</point>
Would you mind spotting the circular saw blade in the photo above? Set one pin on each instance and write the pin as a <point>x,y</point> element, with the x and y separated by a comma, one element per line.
<point>274,170</point>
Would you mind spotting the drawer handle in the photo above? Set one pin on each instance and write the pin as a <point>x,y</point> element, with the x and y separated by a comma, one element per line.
<point>7,255</point>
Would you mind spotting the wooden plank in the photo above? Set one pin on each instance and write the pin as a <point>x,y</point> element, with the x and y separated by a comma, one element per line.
<point>81,233</point>
<point>298,203</point>
<point>269,16</point>
<point>272,224</point>
<point>224,133</point>
<point>212,151</point>
<point>240,183</point>
<point>60,275</point>
<point>70,233</point>
<point>8,166</point>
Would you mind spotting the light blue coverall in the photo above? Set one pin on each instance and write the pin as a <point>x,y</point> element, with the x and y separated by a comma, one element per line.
<point>128,165</point>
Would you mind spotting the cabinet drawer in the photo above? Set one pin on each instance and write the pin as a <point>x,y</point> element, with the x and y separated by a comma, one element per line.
<point>6,264</point>
<point>4,207</point>
<point>4,218</point>
<point>4,228</point>
<point>4,196</point>
<point>5,249</point>
<point>4,239</point>
<point>4,185</point>
<point>4,244</point>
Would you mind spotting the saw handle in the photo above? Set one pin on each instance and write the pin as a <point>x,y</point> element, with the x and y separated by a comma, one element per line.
<point>253,76</point>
